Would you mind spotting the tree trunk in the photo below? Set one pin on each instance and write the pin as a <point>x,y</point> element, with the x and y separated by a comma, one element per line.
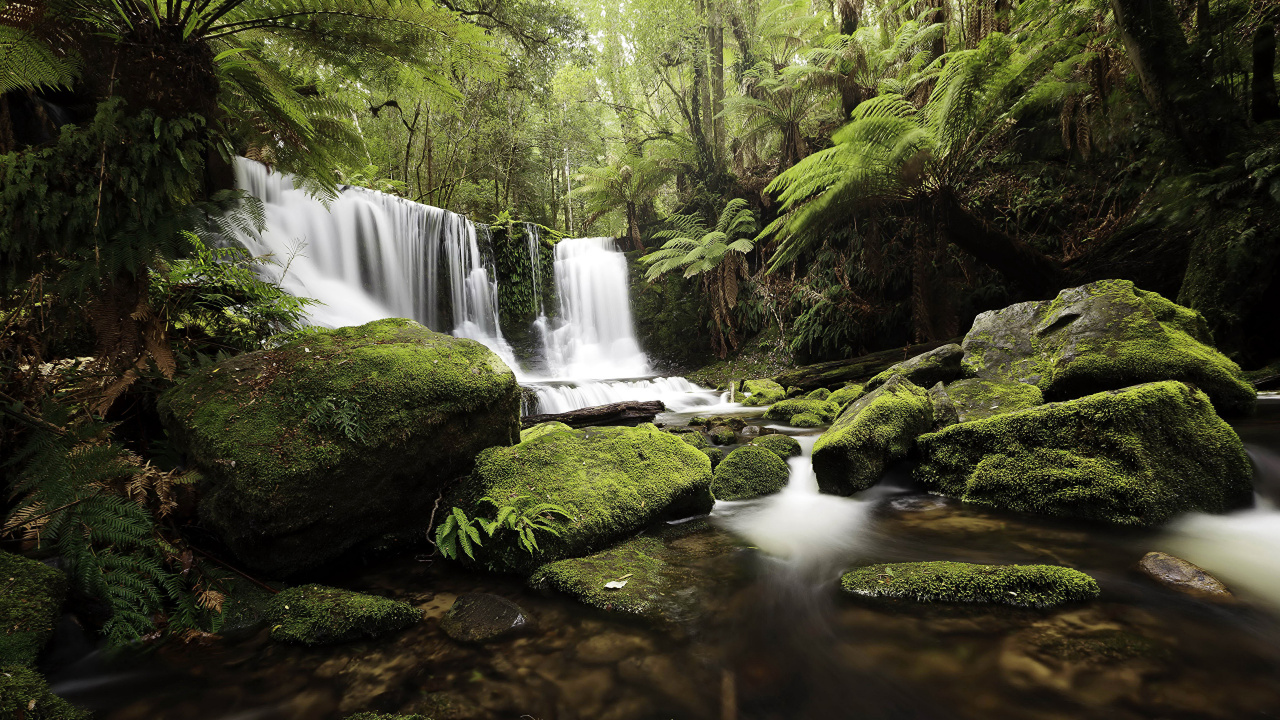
<point>1034,273</point>
<point>1265,106</point>
<point>716,31</point>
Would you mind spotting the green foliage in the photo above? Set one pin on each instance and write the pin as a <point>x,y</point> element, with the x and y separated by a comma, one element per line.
<point>459,531</point>
<point>522,288</point>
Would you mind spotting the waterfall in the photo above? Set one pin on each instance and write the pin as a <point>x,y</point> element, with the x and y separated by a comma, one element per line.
<point>369,255</point>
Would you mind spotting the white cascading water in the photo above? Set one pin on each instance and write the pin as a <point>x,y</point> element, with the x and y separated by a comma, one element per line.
<point>369,255</point>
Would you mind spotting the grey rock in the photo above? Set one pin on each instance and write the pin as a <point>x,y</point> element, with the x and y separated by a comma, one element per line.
<point>480,617</point>
<point>938,365</point>
<point>1178,574</point>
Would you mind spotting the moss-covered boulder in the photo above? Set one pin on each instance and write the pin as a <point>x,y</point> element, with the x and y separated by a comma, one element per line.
<point>24,695</point>
<point>748,472</point>
<point>319,615</point>
<point>694,438</point>
<point>1037,586</point>
<point>941,364</point>
<point>1136,456</point>
<point>715,455</point>
<point>786,409</point>
<point>784,446</point>
<point>846,394</point>
<point>31,595</point>
<point>612,481</point>
<point>722,435</point>
<point>385,716</point>
<point>337,437</point>
<point>542,429</point>
<point>977,399</point>
<point>807,420</point>
<point>819,394</point>
<point>1102,336</point>
<point>762,392</point>
<point>870,433</point>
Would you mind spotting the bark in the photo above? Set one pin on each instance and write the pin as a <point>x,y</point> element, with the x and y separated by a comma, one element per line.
<point>837,372</point>
<point>1265,106</point>
<point>716,32</point>
<point>623,413</point>
<point>1033,272</point>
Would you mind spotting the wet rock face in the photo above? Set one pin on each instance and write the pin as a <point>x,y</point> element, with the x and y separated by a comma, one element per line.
<point>940,365</point>
<point>1102,336</point>
<point>1136,457</point>
<point>1178,574</point>
<point>480,617</point>
<point>337,438</point>
<point>870,433</point>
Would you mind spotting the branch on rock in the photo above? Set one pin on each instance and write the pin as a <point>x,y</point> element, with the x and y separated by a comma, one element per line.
<point>838,372</point>
<point>623,413</point>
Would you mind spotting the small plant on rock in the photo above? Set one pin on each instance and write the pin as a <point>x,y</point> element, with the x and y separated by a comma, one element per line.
<point>459,531</point>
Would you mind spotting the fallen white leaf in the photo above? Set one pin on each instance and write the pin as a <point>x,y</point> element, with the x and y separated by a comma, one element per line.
<point>615,584</point>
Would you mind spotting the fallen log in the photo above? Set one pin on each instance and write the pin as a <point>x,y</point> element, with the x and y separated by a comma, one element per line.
<point>623,413</point>
<point>837,372</point>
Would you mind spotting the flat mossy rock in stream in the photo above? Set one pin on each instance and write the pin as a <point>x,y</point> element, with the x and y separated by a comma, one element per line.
<point>384,716</point>
<point>870,433</point>
<point>24,695</point>
<point>1136,456</point>
<point>319,615</point>
<point>785,410</point>
<point>807,420</point>
<point>1103,336</point>
<point>31,595</point>
<point>1036,586</point>
<point>337,437</point>
<point>612,481</point>
<point>749,472</point>
<point>784,446</point>
<point>940,365</point>
<point>663,576</point>
<point>977,399</point>
<point>763,392</point>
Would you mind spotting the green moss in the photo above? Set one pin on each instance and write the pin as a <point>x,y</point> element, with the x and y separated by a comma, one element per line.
<point>870,433</point>
<point>715,455</point>
<point>722,435</point>
<point>819,394</point>
<point>942,364</point>
<point>748,472</point>
<point>25,694</point>
<point>613,482</point>
<point>31,595</point>
<point>695,438</point>
<point>784,446</point>
<point>977,399</point>
<point>319,615</point>
<point>267,430</point>
<point>785,410</point>
<point>1136,456</point>
<point>542,429</point>
<point>1037,586</point>
<point>846,394</point>
<point>806,420</point>
<point>385,716</point>
<point>763,392</point>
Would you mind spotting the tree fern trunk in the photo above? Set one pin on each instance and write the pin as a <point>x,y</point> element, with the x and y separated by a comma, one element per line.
<point>1032,272</point>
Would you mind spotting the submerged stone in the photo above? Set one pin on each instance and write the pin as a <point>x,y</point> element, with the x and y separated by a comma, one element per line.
<point>938,365</point>
<point>612,482</point>
<point>24,695</point>
<point>1178,574</point>
<point>480,617</point>
<point>762,392</point>
<point>784,446</point>
<point>319,615</point>
<point>1103,336</point>
<point>870,433</point>
<point>1136,456</point>
<point>1037,586</point>
<point>785,410</point>
<point>31,595</point>
<point>338,437</point>
<point>748,472</point>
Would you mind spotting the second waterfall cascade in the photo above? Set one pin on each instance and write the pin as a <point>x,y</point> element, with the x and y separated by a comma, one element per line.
<point>367,255</point>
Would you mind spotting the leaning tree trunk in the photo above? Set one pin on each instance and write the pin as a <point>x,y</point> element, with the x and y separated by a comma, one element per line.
<point>1031,271</point>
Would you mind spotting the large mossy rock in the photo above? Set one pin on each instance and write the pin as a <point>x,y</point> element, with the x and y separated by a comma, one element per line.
<point>977,399</point>
<point>785,410</point>
<point>763,392</point>
<point>319,615</point>
<point>870,433</point>
<point>749,472</point>
<point>31,595</point>
<point>784,446</point>
<point>1136,456</point>
<point>612,481</point>
<point>1102,336</point>
<point>25,695</point>
<point>940,365</point>
<point>1037,586</point>
<point>337,437</point>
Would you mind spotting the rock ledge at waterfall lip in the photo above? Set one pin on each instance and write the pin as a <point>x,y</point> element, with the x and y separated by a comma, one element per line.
<point>1035,586</point>
<point>337,437</point>
<point>1102,336</point>
<point>749,472</point>
<point>871,432</point>
<point>612,481</point>
<point>1136,456</point>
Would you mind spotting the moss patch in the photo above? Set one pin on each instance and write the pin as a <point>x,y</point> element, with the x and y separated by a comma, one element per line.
<point>31,595</point>
<point>613,481</point>
<point>385,716</point>
<point>762,392</point>
<point>541,429</point>
<point>977,399</point>
<point>938,365</point>
<point>784,446</point>
<point>319,615</point>
<point>1037,586</point>
<point>1102,336</point>
<point>785,410</point>
<point>337,437</point>
<point>806,420</point>
<point>748,472</point>
<point>25,694</point>
<point>869,434</point>
<point>1136,456</point>
<point>715,455</point>
<point>819,394</point>
<point>846,394</point>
